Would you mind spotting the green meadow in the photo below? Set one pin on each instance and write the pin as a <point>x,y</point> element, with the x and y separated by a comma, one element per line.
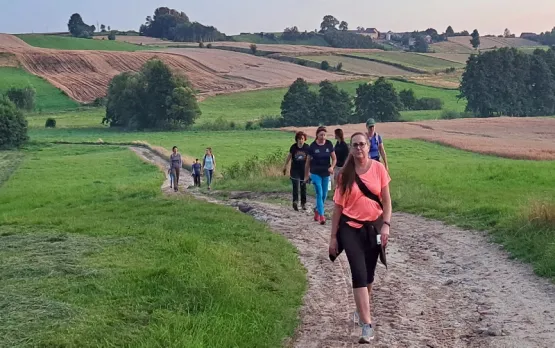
<point>73,43</point>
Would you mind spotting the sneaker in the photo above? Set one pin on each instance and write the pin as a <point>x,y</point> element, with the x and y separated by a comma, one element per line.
<point>295,206</point>
<point>303,206</point>
<point>316,215</point>
<point>367,334</point>
<point>322,220</point>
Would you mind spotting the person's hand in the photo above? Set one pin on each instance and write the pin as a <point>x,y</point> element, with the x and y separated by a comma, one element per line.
<point>284,170</point>
<point>384,232</point>
<point>333,246</point>
<point>330,170</point>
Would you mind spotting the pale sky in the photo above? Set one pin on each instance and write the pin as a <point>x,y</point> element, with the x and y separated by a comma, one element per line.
<point>235,16</point>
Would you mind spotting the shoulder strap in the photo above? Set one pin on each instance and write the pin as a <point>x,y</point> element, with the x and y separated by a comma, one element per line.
<point>364,189</point>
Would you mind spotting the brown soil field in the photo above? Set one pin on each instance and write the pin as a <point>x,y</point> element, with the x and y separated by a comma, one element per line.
<point>510,137</point>
<point>451,81</point>
<point>360,66</point>
<point>11,41</point>
<point>85,75</point>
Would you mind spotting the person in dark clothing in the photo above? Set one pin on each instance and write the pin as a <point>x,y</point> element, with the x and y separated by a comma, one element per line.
<point>319,168</point>
<point>175,165</point>
<point>297,155</point>
<point>196,172</point>
<point>341,152</point>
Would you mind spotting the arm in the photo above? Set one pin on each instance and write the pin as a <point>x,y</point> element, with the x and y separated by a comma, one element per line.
<point>337,211</point>
<point>333,161</point>
<point>307,168</point>
<point>382,153</point>
<point>386,201</point>
<point>286,163</point>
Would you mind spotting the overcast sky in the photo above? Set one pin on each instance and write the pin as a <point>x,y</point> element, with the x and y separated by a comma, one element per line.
<point>235,16</point>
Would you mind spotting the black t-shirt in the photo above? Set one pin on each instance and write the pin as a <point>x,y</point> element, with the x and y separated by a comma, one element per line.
<point>298,159</point>
<point>341,151</point>
<point>320,158</point>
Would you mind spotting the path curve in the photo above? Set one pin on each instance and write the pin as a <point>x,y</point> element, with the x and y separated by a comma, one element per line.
<point>445,287</point>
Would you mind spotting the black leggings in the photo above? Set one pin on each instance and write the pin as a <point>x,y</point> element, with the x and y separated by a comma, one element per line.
<point>362,253</point>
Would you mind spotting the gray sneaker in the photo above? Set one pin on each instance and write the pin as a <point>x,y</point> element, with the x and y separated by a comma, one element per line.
<point>367,334</point>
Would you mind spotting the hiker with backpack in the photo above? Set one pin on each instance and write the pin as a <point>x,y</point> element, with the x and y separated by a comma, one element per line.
<point>196,173</point>
<point>318,170</point>
<point>360,224</point>
<point>298,153</point>
<point>376,143</point>
<point>209,165</point>
<point>175,166</point>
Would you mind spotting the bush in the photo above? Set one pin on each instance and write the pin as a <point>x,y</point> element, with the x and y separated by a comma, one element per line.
<point>339,66</point>
<point>23,98</point>
<point>450,70</point>
<point>13,125</point>
<point>271,122</point>
<point>408,99</point>
<point>325,65</point>
<point>428,104</point>
<point>50,123</point>
<point>219,124</point>
<point>301,62</point>
<point>250,125</point>
<point>112,36</point>
<point>209,45</point>
<point>451,115</point>
<point>201,44</point>
<point>100,101</point>
<point>253,48</point>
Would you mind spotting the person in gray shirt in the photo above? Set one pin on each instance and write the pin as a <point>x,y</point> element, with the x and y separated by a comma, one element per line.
<point>175,165</point>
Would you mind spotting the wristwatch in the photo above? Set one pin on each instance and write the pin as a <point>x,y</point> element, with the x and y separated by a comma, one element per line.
<point>387,223</point>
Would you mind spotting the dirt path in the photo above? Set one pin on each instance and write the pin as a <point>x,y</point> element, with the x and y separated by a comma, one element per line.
<point>445,287</point>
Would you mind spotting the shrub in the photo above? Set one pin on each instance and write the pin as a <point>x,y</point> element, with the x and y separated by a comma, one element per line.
<point>325,65</point>
<point>271,122</point>
<point>13,125</point>
<point>339,66</point>
<point>250,125</point>
<point>428,104</point>
<point>50,123</point>
<point>253,48</point>
<point>451,115</point>
<point>219,124</point>
<point>301,62</point>
<point>112,36</point>
<point>408,99</point>
<point>209,45</point>
<point>23,98</point>
<point>450,70</point>
<point>201,44</point>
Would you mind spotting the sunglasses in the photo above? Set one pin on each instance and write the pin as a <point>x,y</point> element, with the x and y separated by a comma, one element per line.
<point>356,145</point>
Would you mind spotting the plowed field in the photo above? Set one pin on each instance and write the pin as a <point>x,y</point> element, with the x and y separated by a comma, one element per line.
<point>511,137</point>
<point>85,75</point>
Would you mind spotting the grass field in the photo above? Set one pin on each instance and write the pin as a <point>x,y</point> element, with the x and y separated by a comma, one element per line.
<point>73,43</point>
<point>93,255</point>
<point>411,60</point>
<point>468,190</point>
<point>361,66</point>
<point>48,97</point>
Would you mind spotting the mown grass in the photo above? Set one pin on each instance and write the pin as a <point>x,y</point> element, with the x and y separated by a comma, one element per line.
<point>514,199</point>
<point>48,97</point>
<point>411,60</point>
<point>73,43</point>
<point>82,118</point>
<point>93,255</point>
<point>9,160</point>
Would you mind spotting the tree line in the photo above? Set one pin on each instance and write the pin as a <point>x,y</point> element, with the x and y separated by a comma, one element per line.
<point>546,38</point>
<point>510,82</point>
<point>13,124</point>
<point>302,106</point>
<point>174,25</point>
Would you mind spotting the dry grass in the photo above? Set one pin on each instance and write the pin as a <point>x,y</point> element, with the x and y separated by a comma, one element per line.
<point>510,137</point>
<point>360,66</point>
<point>542,213</point>
<point>138,40</point>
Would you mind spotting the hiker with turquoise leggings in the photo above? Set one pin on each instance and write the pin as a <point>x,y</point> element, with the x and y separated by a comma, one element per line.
<point>318,170</point>
<point>209,165</point>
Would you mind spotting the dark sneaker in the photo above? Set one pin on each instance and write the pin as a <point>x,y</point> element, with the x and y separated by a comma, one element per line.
<point>303,205</point>
<point>367,334</point>
<point>295,206</point>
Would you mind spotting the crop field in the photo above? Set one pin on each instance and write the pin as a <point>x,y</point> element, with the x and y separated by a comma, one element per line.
<point>360,66</point>
<point>460,58</point>
<point>411,60</point>
<point>461,44</point>
<point>94,255</point>
<point>48,98</point>
<point>73,43</point>
<point>137,40</point>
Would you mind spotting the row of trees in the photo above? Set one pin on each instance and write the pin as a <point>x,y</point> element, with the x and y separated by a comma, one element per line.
<point>303,107</point>
<point>547,38</point>
<point>153,98</point>
<point>78,28</point>
<point>509,82</point>
<point>174,25</point>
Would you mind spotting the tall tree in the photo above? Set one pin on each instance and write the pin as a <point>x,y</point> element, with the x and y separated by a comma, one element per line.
<point>449,32</point>
<point>379,101</point>
<point>335,106</point>
<point>299,105</point>
<point>507,33</point>
<point>475,41</point>
<point>329,22</point>
<point>344,25</point>
<point>78,28</point>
